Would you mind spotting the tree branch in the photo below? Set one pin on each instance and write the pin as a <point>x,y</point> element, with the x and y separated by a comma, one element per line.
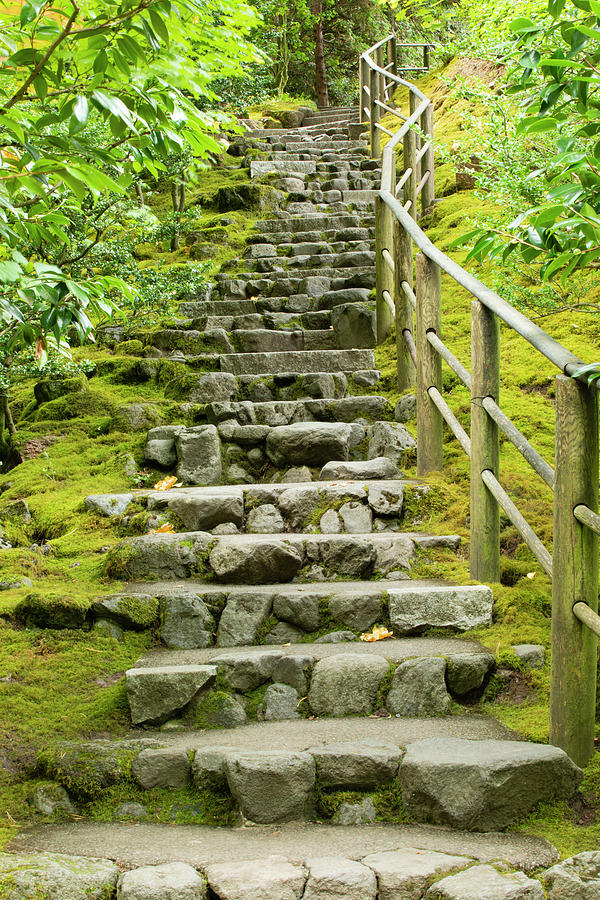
<point>40,65</point>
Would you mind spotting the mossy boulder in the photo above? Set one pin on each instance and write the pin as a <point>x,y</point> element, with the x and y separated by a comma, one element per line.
<point>86,769</point>
<point>51,388</point>
<point>80,404</point>
<point>51,611</point>
<point>138,612</point>
<point>131,348</point>
<point>240,196</point>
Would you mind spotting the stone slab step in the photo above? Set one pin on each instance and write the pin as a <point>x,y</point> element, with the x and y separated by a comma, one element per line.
<point>318,320</point>
<point>326,261</point>
<point>276,508</point>
<point>317,678</point>
<point>324,146</point>
<point>274,558</point>
<point>328,237</point>
<point>300,361</point>
<point>149,844</point>
<point>319,221</point>
<point>192,309</point>
<point>329,117</point>
<point>203,387</point>
<point>286,412</point>
<point>191,614</point>
<point>262,167</point>
<point>360,196</point>
<point>270,785</point>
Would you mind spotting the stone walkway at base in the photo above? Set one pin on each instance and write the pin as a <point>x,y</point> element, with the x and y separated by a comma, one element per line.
<point>294,531</point>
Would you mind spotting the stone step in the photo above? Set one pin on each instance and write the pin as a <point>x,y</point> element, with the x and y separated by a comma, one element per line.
<point>299,361</point>
<point>276,772</point>
<point>274,508</point>
<point>206,387</point>
<point>191,309</point>
<point>406,678</point>
<point>259,167</point>
<point>329,858</point>
<point>326,261</point>
<point>347,235</point>
<point>285,412</point>
<point>205,454</point>
<point>323,118</point>
<point>190,614</point>
<point>270,559</point>
<point>280,321</point>
<point>313,146</point>
<point>312,282</point>
<point>319,221</point>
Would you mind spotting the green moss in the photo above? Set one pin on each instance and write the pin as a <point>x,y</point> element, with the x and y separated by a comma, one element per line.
<point>51,611</point>
<point>185,806</point>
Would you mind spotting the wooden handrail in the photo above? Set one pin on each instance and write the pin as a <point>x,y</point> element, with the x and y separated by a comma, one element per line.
<point>573,566</point>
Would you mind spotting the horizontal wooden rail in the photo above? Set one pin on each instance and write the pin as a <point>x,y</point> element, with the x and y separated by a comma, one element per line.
<point>410,343</point>
<point>451,421</point>
<point>587,615</point>
<point>523,527</point>
<point>409,293</point>
<point>388,259</point>
<point>455,364</point>
<point>384,129</point>
<point>587,517</point>
<point>535,460</point>
<point>391,110</point>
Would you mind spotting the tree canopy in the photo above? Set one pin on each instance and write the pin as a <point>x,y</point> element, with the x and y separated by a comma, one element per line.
<point>91,93</point>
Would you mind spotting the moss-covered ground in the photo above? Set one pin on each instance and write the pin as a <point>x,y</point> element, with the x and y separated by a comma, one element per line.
<point>67,683</point>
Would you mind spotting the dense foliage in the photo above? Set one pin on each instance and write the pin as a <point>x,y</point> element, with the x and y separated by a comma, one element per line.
<point>91,95</point>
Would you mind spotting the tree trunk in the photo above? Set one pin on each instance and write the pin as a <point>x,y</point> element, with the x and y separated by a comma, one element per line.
<point>7,415</point>
<point>320,69</point>
<point>139,192</point>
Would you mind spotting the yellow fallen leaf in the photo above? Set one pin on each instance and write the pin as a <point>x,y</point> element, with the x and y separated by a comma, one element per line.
<point>166,484</point>
<point>531,575</point>
<point>378,633</point>
<point>167,528</point>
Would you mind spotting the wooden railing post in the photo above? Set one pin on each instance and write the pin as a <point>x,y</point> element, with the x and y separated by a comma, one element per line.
<point>393,52</point>
<point>384,230</point>
<point>413,104</point>
<point>574,571</point>
<point>427,163</point>
<point>485,449</point>
<point>380,60</point>
<point>403,262</point>
<point>426,49</point>
<point>363,77</point>
<point>375,114</point>
<point>409,191</point>
<point>428,291</point>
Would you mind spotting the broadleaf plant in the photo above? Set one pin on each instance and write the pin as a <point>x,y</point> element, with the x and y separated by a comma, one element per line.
<point>557,76</point>
<point>92,93</point>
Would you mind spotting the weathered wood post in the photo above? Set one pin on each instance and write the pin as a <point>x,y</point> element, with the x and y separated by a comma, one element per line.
<point>384,241</point>
<point>485,446</point>
<point>414,102</point>
<point>375,114</point>
<point>427,163</point>
<point>403,262</point>
<point>426,49</point>
<point>428,291</point>
<point>393,52</point>
<point>363,93</point>
<point>410,185</point>
<point>574,570</point>
<point>380,60</point>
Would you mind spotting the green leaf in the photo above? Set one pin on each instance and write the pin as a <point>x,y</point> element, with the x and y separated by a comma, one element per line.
<point>159,26</point>
<point>40,86</point>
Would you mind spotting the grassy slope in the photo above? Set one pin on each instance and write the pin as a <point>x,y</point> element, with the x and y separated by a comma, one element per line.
<point>65,684</point>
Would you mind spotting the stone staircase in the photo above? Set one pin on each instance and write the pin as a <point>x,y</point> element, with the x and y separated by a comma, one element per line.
<point>291,533</point>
